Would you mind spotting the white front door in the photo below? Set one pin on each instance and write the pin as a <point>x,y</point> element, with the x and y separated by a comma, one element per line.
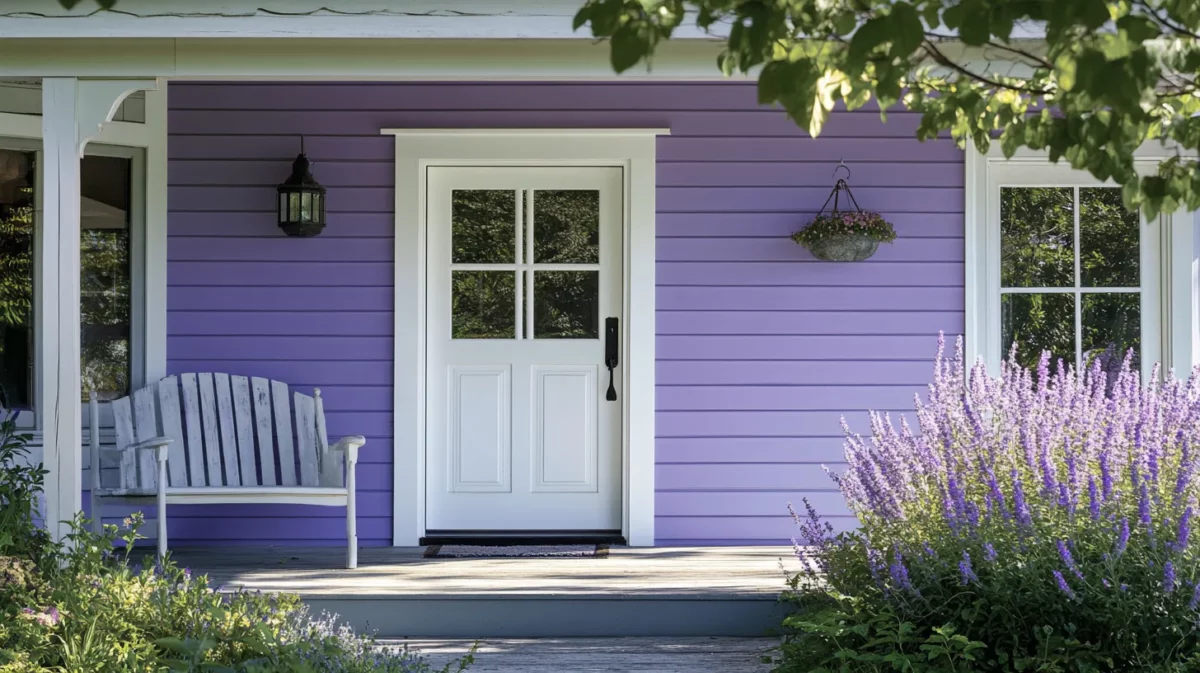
<point>524,279</point>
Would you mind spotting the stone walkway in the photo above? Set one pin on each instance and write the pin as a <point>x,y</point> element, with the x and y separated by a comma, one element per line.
<point>604,655</point>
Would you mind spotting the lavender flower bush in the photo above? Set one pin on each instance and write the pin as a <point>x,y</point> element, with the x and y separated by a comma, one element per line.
<point>1041,520</point>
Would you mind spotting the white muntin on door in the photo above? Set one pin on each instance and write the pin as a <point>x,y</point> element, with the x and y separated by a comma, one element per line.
<point>524,274</point>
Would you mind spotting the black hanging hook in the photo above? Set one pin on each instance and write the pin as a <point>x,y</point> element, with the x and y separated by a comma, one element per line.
<point>838,187</point>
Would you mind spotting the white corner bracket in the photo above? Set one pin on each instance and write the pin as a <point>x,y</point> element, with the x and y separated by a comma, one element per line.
<point>97,102</point>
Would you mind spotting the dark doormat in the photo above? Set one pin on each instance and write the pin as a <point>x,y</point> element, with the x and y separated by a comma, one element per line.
<point>517,551</point>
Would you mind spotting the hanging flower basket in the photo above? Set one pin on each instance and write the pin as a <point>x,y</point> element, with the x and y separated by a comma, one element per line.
<point>849,236</point>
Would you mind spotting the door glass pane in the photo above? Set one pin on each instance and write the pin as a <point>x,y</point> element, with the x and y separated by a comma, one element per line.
<point>483,304</point>
<point>1039,322</point>
<point>1112,325</point>
<point>1109,250</point>
<point>483,225</point>
<point>105,292</point>
<point>1037,237</point>
<point>566,304</point>
<point>17,176</point>
<point>566,227</point>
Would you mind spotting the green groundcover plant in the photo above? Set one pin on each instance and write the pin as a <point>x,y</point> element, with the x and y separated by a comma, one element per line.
<point>90,607</point>
<point>1035,521</point>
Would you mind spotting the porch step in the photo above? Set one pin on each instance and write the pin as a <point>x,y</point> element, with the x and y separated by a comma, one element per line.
<point>536,616</point>
<point>700,591</point>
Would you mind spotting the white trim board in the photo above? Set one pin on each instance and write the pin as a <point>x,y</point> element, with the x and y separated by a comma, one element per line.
<point>1169,247</point>
<point>349,59</point>
<point>631,149</point>
<point>292,19</point>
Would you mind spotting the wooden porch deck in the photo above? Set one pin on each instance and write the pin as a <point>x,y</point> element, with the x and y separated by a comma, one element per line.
<point>690,591</point>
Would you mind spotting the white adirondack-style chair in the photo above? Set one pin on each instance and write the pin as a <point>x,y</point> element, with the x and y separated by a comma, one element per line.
<point>215,439</point>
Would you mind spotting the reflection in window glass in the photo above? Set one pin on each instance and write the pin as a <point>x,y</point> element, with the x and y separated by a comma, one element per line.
<point>566,304</point>
<point>566,226</point>
<point>105,290</point>
<point>483,304</point>
<point>1037,226</point>
<point>483,226</point>
<point>1039,322</point>
<point>1112,325</point>
<point>17,202</point>
<point>1109,254</point>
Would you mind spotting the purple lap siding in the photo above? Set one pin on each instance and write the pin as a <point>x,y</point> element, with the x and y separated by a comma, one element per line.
<point>760,348</point>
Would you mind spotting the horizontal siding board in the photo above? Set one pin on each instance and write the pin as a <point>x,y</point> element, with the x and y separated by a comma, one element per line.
<point>752,477</point>
<point>757,423</point>
<point>735,224</point>
<point>328,299</point>
<point>218,172</point>
<point>788,347</point>
<point>747,503</point>
<point>716,172</point>
<point>672,323</point>
<point>831,150</point>
<point>761,348</point>
<point>279,249</point>
<point>262,198</point>
<point>264,224</point>
<point>270,148</point>
<point>482,96</point>
<point>286,347</point>
<point>938,250</point>
<point>702,530</point>
<point>882,298</point>
<point>934,274</point>
<point>248,273</point>
<point>745,450</point>
<point>279,323</point>
<point>752,199</point>
<point>782,398</point>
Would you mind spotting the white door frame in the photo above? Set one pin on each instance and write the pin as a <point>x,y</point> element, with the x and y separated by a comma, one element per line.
<point>631,149</point>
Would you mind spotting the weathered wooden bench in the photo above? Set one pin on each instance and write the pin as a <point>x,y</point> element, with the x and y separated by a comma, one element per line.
<point>200,439</point>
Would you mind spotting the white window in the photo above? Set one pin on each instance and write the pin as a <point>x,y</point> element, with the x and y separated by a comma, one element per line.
<point>1055,263</point>
<point>112,245</point>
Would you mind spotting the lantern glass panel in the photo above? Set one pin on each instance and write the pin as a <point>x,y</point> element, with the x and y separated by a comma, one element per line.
<point>318,208</point>
<point>293,207</point>
<point>306,207</point>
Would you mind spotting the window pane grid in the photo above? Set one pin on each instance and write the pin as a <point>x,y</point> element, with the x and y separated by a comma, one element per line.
<point>1107,319</point>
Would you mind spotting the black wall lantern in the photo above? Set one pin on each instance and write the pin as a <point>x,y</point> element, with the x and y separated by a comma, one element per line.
<point>301,200</point>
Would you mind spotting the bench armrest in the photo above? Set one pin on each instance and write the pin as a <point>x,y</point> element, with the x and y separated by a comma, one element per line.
<point>152,443</point>
<point>350,445</point>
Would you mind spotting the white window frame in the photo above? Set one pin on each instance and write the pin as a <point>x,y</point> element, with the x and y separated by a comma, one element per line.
<point>1167,289</point>
<point>145,145</point>
<point>632,149</point>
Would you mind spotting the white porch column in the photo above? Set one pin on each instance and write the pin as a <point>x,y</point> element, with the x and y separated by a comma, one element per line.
<point>73,112</point>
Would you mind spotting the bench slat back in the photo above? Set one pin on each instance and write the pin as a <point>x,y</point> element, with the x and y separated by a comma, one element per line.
<point>226,431</point>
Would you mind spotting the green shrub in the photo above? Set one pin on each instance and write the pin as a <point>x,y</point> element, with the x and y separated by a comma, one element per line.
<point>1032,522</point>
<point>89,607</point>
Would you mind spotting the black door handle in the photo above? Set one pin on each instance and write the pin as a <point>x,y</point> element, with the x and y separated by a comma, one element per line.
<point>611,348</point>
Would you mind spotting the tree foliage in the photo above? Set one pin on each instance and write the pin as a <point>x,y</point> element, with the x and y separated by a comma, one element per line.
<point>1089,81</point>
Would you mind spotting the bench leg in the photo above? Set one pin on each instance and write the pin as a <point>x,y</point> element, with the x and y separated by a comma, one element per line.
<point>351,522</point>
<point>97,521</point>
<point>351,535</point>
<point>162,502</point>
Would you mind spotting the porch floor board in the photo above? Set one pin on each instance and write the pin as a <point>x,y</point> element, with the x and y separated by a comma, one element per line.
<point>602,655</point>
<point>397,592</point>
<point>728,572</point>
